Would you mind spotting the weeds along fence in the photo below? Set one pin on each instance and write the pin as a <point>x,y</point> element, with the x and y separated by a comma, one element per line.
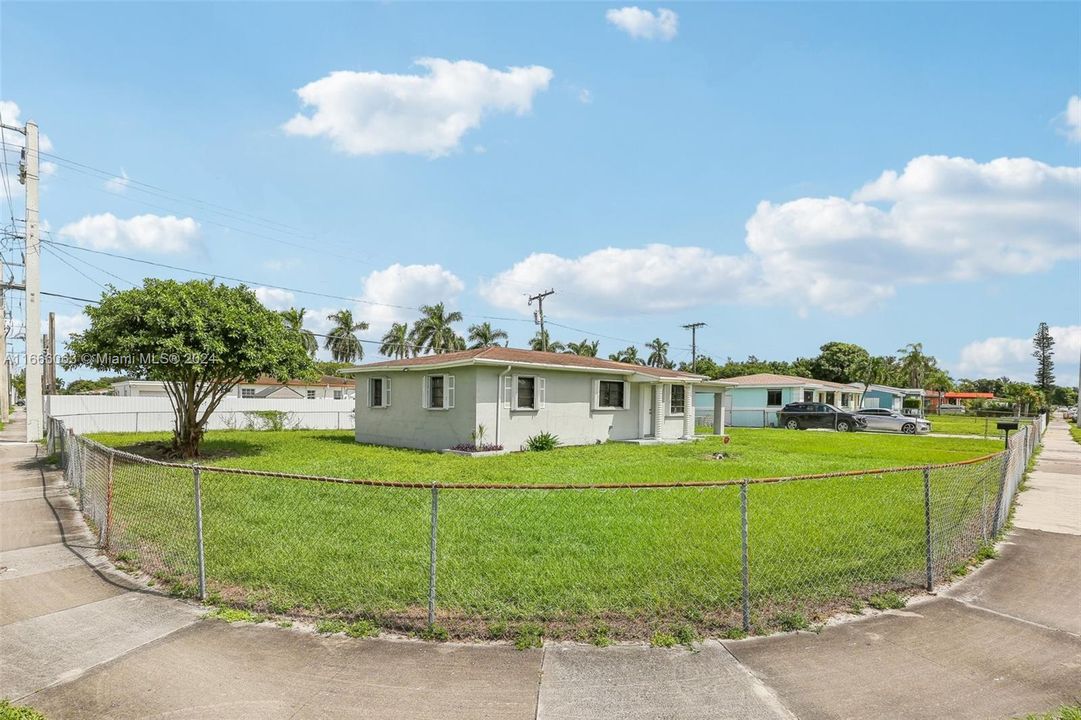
<point>476,560</point>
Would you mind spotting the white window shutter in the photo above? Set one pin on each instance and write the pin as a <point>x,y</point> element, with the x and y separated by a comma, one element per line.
<point>540,393</point>
<point>596,393</point>
<point>448,391</point>
<point>370,392</point>
<point>427,389</point>
<point>626,395</point>
<point>386,392</point>
<point>508,391</point>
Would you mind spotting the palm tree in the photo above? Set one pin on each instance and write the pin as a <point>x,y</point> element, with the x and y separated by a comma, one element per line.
<point>629,355</point>
<point>344,346</point>
<point>433,332</point>
<point>914,365</point>
<point>658,356</point>
<point>543,340</point>
<point>484,336</point>
<point>396,342</point>
<point>584,348</point>
<point>294,322</point>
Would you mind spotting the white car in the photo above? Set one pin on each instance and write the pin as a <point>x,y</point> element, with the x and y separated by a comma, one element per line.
<point>885,420</point>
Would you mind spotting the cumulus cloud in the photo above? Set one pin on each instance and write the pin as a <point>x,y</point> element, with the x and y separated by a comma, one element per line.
<point>275,298</point>
<point>1012,356</point>
<point>155,233</point>
<point>10,112</point>
<point>614,281</point>
<point>941,219</point>
<point>639,23</point>
<point>66,325</point>
<point>391,294</point>
<point>370,113</point>
<point>1071,119</point>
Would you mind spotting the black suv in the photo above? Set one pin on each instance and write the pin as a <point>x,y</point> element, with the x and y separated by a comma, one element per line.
<point>803,415</point>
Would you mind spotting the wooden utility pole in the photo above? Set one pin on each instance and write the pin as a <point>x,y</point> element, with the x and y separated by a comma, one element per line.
<point>539,315</point>
<point>693,327</point>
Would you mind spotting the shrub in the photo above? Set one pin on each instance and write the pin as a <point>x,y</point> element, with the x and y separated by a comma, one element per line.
<point>792,621</point>
<point>543,441</point>
<point>274,420</point>
<point>886,601</point>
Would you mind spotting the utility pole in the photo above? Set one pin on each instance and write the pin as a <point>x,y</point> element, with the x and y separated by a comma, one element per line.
<point>5,393</point>
<point>29,175</point>
<point>50,345</point>
<point>693,327</point>
<point>538,317</point>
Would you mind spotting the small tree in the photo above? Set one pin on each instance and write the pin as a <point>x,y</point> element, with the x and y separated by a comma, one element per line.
<point>200,338</point>
<point>1043,348</point>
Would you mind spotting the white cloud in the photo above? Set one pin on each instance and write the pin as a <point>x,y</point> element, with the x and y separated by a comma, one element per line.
<point>119,184</point>
<point>639,23</point>
<point>1012,357</point>
<point>391,294</point>
<point>370,113</point>
<point>617,281</point>
<point>940,220</point>
<point>585,96</point>
<point>157,233</point>
<point>275,298</point>
<point>10,112</point>
<point>1071,119</point>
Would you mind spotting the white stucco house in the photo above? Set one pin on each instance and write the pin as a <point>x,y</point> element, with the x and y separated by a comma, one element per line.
<point>755,400</point>
<point>435,402</point>
<point>328,387</point>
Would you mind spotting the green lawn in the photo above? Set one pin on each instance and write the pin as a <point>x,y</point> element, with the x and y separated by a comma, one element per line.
<point>633,559</point>
<point>970,425</point>
<point>1075,432</point>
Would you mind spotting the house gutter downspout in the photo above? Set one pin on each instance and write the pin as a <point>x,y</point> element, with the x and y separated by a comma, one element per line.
<point>499,401</point>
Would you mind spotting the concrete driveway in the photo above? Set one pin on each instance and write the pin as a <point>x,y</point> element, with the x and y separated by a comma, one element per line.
<point>79,641</point>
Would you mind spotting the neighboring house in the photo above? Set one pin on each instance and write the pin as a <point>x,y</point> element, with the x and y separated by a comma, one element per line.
<point>754,400</point>
<point>435,402</point>
<point>328,387</point>
<point>890,398</point>
<point>938,401</point>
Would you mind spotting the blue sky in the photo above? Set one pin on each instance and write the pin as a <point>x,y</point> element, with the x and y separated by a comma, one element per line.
<point>720,163</point>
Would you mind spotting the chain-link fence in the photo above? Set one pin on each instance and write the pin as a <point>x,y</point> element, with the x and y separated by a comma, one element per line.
<point>717,556</point>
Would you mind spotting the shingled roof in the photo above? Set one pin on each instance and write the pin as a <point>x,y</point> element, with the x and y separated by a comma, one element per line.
<point>515,356</point>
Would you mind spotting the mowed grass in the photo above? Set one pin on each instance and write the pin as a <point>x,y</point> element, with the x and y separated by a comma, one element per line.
<point>971,425</point>
<point>632,557</point>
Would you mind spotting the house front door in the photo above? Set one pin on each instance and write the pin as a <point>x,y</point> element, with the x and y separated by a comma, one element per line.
<point>646,401</point>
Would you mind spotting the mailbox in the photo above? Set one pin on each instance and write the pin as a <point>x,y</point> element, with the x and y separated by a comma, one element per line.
<point>1007,426</point>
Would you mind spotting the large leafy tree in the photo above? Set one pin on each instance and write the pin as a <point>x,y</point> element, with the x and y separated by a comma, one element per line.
<point>396,342</point>
<point>342,341</point>
<point>542,340</point>
<point>294,322</point>
<point>915,366</point>
<point>839,362</point>
<point>658,353</point>
<point>1043,348</point>
<point>435,333</point>
<point>485,336</point>
<point>586,348</point>
<point>200,338</point>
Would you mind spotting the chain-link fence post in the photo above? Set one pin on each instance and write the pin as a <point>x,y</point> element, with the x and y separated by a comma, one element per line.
<point>983,504</point>
<point>927,528</point>
<point>745,562</point>
<point>108,503</point>
<point>434,525</point>
<point>197,476</point>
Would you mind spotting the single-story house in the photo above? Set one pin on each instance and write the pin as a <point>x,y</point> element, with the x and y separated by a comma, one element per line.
<point>435,402</point>
<point>754,400</point>
<point>939,402</point>
<point>328,387</point>
<point>891,398</point>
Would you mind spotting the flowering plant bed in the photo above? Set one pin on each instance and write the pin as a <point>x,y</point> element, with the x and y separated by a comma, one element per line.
<point>473,450</point>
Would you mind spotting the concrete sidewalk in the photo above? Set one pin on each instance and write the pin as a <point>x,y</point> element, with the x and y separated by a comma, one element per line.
<point>79,641</point>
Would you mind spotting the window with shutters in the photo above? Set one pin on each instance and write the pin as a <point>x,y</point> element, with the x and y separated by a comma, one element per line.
<point>378,395</point>
<point>439,392</point>
<point>527,393</point>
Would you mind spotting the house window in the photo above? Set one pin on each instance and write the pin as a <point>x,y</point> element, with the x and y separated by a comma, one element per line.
<point>678,403</point>
<point>439,392</point>
<point>808,396</point>
<point>773,398</point>
<point>610,394</point>
<point>527,393</point>
<point>831,398</point>
<point>311,394</point>
<point>337,394</point>
<point>247,392</point>
<point>375,392</point>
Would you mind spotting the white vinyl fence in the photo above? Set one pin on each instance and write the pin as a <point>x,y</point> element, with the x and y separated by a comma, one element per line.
<point>104,413</point>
